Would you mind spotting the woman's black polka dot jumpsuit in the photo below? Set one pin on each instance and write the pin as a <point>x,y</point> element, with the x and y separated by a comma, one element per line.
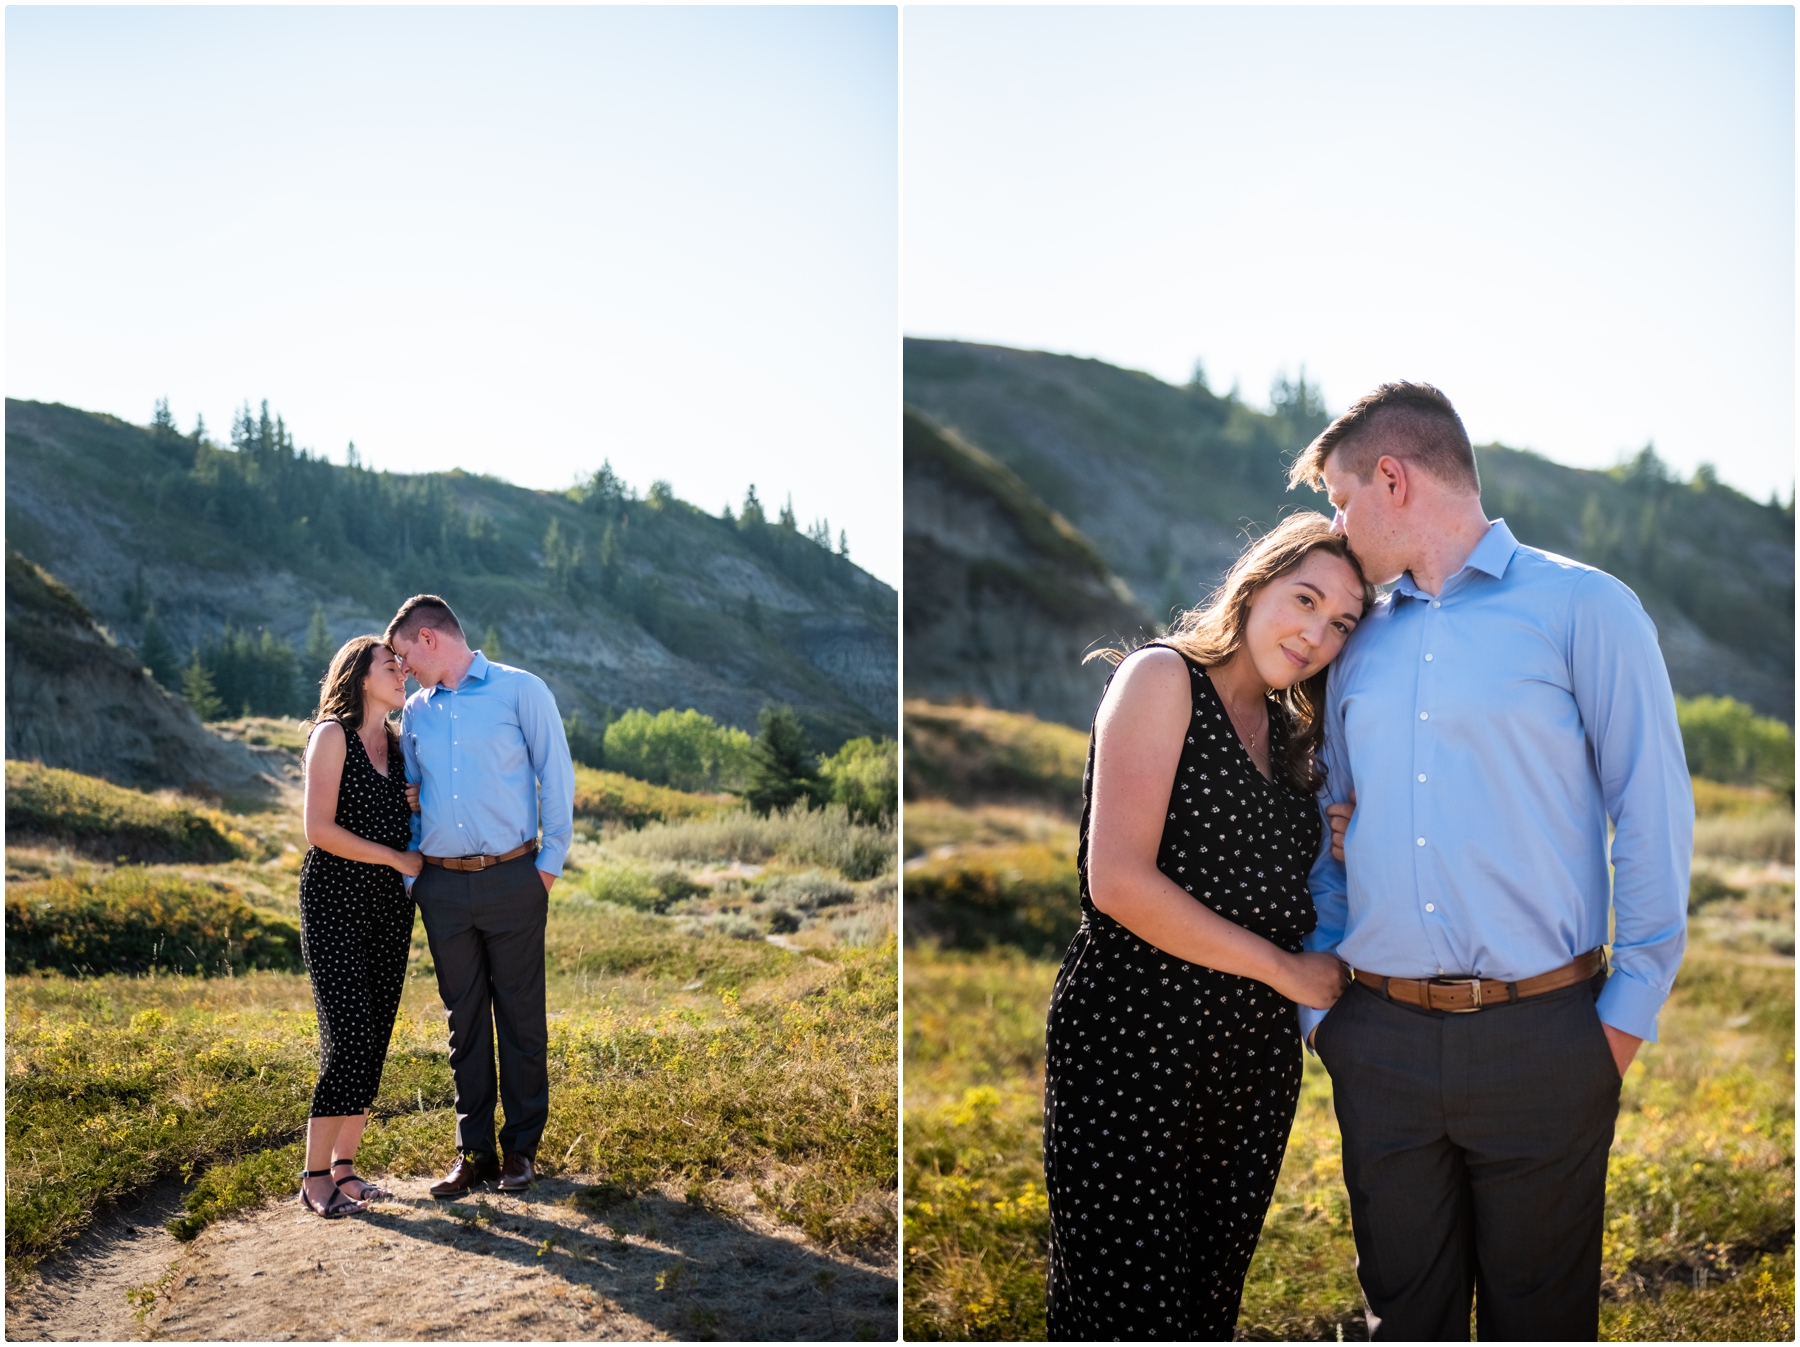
<point>356,923</point>
<point>1169,1087</point>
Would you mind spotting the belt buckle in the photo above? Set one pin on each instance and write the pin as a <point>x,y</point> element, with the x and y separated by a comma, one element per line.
<point>1474,984</point>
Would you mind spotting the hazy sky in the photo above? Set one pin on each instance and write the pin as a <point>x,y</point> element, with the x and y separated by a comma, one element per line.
<point>516,241</point>
<point>1577,222</point>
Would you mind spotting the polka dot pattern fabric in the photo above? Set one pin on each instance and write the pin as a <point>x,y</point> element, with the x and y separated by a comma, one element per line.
<point>1170,1088</point>
<point>356,923</point>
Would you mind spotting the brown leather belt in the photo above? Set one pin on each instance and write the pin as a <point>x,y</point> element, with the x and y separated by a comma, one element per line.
<point>1460,996</point>
<point>480,862</point>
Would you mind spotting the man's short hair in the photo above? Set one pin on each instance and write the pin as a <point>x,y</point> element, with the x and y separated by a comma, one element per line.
<point>421,610</point>
<point>1413,422</point>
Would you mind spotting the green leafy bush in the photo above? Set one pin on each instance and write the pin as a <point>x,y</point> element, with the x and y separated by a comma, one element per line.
<point>133,920</point>
<point>110,821</point>
<point>864,777</point>
<point>1727,741</point>
<point>682,749</point>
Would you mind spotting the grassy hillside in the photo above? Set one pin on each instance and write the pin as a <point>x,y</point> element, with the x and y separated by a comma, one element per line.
<point>721,987</point>
<point>1164,481</point>
<point>618,599</point>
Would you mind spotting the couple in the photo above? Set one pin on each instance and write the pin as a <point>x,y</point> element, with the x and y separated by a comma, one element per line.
<point>481,756</point>
<point>1484,721</point>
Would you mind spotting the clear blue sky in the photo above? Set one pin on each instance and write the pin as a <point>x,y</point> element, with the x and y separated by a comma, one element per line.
<point>1578,222</point>
<point>518,241</point>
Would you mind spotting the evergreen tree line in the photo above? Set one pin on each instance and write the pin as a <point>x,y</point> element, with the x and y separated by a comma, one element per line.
<point>300,507</point>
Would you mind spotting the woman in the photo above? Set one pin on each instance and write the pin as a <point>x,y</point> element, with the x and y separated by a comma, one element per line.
<point>355,915</point>
<point>1173,1056</point>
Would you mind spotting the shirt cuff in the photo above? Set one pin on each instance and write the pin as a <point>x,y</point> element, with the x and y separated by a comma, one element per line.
<point>550,858</point>
<point>1631,1005</point>
<point>1310,1020</point>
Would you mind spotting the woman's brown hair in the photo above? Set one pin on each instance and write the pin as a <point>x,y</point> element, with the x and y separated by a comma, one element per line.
<point>341,694</point>
<point>1212,633</point>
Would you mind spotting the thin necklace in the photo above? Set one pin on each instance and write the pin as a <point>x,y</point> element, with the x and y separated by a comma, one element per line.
<point>1249,740</point>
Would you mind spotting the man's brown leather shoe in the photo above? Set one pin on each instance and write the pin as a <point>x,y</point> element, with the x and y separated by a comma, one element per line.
<point>464,1175</point>
<point>516,1174</point>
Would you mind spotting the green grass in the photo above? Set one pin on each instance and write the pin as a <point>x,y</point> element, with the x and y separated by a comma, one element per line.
<point>677,1053</point>
<point>612,797</point>
<point>108,821</point>
<point>134,919</point>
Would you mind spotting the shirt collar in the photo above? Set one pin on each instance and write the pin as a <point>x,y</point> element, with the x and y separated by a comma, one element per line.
<point>478,668</point>
<point>1491,556</point>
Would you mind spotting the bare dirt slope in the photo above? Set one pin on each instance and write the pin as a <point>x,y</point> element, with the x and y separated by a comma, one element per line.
<point>495,1268</point>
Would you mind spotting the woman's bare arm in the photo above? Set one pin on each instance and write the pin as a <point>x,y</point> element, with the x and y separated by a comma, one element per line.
<point>325,756</point>
<point>1138,740</point>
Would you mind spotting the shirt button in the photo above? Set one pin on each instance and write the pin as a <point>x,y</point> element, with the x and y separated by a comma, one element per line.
<point>1421,840</point>
<point>1430,907</point>
<point>1424,715</point>
<point>1428,659</point>
<point>1421,776</point>
<point>1436,604</point>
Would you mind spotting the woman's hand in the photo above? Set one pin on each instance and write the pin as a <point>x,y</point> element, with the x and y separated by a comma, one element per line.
<point>1315,980</point>
<point>409,863</point>
<point>412,798</point>
<point>1338,817</point>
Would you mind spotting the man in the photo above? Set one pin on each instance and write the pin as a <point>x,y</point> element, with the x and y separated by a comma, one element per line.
<point>486,747</point>
<point>1489,717</point>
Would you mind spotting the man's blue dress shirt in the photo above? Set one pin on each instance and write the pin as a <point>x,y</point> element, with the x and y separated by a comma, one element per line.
<point>1489,733</point>
<point>490,756</point>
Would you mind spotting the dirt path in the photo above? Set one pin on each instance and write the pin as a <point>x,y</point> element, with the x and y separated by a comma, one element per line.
<point>534,1267</point>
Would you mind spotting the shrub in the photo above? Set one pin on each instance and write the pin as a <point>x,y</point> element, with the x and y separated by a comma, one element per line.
<point>808,892</point>
<point>824,837</point>
<point>864,777</point>
<point>1024,896</point>
<point>1726,740</point>
<point>682,749</point>
<point>1760,837</point>
<point>109,821</point>
<point>642,888</point>
<point>132,920</point>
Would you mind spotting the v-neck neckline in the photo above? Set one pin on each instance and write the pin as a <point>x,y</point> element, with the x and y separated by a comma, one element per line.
<point>1238,739</point>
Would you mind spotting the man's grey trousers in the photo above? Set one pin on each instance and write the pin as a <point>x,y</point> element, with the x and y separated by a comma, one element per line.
<point>486,931</point>
<point>1475,1156</point>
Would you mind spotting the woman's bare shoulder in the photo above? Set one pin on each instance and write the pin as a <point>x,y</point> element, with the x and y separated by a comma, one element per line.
<point>327,737</point>
<point>1150,681</point>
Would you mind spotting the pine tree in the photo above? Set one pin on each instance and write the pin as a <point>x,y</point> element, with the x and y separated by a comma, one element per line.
<point>753,511</point>
<point>158,653</point>
<point>782,772</point>
<point>163,423</point>
<point>318,646</point>
<point>490,643</point>
<point>197,687</point>
<point>843,544</point>
<point>787,513</point>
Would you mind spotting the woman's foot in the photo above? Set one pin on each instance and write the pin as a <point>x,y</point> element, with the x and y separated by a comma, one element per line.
<point>321,1197</point>
<point>365,1191</point>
